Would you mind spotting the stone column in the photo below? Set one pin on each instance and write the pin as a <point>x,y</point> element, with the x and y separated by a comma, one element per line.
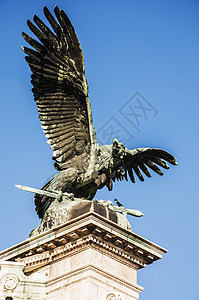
<point>89,257</point>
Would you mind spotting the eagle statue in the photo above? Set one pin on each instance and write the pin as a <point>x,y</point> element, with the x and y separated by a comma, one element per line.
<point>61,93</point>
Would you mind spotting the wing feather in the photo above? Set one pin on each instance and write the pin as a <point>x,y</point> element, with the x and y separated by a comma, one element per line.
<point>130,171</point>
<point>137,172</point>
<point>57,139</point>
<point>144,169</point>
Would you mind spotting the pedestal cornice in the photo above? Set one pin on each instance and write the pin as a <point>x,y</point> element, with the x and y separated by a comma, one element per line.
<point>88,230</point>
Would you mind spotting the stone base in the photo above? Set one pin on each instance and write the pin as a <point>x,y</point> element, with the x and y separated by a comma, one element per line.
<point>89,257</point>
<point>61,212</point>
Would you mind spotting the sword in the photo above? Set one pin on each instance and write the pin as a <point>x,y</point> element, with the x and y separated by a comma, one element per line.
<point>125,211</point>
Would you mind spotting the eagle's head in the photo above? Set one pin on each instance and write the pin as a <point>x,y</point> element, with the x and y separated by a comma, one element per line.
<point>118,150</point>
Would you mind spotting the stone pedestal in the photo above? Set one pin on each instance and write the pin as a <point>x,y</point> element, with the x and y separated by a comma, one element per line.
<point>89,257</point>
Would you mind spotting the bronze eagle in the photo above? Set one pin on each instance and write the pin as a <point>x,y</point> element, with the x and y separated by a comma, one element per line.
<point>61,93</point>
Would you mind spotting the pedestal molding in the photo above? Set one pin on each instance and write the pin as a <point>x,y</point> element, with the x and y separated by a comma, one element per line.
<point>39,260</point>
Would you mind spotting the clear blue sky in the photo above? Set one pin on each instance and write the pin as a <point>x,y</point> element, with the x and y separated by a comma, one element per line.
<point>147,46</point>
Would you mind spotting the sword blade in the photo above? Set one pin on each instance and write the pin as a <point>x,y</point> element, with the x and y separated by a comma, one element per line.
<point>36,191</point>
<point>133,212</point>
<point>129,211</point>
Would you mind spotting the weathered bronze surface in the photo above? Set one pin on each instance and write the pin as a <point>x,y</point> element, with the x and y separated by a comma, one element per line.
<point>61,94</point>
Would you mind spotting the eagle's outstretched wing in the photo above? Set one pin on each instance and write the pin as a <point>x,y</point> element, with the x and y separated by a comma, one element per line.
<point>60,89</point>
<point>138,160</point>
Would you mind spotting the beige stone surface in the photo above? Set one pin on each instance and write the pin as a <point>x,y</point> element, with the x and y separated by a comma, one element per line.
<point>94,273</point>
